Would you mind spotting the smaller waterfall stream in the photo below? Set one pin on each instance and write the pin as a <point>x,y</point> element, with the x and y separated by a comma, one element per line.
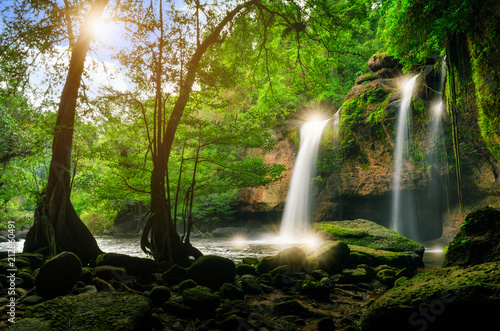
<point>295,224</point>
<point>402,139</point>
<point>436,198</point>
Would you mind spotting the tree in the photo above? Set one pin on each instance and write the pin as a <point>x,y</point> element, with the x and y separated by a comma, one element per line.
<point>57,226</point>
<point>160,237</point>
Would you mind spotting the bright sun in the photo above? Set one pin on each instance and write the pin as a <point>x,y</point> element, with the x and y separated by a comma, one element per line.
<point>102,30</point>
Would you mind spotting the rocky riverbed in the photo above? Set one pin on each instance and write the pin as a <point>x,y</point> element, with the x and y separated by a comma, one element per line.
<point>338,286</point>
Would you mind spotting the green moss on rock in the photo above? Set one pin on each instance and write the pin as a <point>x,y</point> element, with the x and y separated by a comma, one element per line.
<point>200,297</point>
<point>368,234</point>
<point>96,311</point>
<point>453,298</point>
<point>478,239</point>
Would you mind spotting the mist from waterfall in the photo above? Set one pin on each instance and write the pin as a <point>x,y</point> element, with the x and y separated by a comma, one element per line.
<point>295,223</point>
<point>403,223</point>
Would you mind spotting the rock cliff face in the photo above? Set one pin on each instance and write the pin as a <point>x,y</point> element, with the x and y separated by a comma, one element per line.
<point>356,168</point>
<point>266,203</point>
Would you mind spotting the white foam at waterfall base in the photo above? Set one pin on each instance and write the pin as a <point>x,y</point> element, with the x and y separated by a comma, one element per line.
<point>295,224</point>
<point>398,223</point>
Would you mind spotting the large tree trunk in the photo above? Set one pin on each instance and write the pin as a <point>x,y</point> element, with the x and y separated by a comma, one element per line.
<point>57,227</point>
<point>164,243</point>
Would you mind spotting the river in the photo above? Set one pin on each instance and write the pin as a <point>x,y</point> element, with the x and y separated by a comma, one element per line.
<point>235,250</point>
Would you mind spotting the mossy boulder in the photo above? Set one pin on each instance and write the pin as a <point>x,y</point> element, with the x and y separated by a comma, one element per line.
<point>21,262</point>
<point>332,257</point>
<point>294,257</point>
<point>316,290</point>
<point>58,275</point>
<point>368,234</point>
<point>159,294</point>
<point>453,298</point>
<point>96,311</point>
<point>212,271</point>
<point>28,280</point>
<point>132,264</point>
<point>232,292</point>
<point>184,285</point>
<point>250,284</point>
<point>382,60</point>
<point>354,276</point>
<point>245,269</point>
<point>376,257</point>
<point>478,240</point>
<point>200,297</point>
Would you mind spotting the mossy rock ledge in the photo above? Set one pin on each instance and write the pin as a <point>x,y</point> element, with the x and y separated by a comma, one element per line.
<point>369,234</point>
<point>453,298</point>
<point>478,240</point>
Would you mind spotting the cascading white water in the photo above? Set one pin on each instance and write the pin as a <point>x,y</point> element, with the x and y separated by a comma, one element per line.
<point>295,224</point>
<point>437,110</point>
<point>402,139</point>
<point>435,197</point>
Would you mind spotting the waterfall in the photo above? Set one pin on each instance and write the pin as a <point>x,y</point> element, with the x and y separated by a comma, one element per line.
<point>436,196</point>
<point>437,112</point>
<point>402,138</point>
<point>295,224</point>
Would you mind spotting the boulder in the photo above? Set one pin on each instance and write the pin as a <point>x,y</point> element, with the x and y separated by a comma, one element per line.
<point>20,262</point>
<point>132,264</point>
<point>212,271</point>
<point>229,232</point>
<point>383,73</point>
<point>159,294</point>
<point>230,291</point>
<point>452,298</point>
<point>293,257</point>
<point>250,284</point>
<point>382,60</point>
<point>353,276</point>
<point>292,307</point>
<point>184,285</point>
<point>27,278</point>
<point>375,257</point>
<point>477,241</point>
<point>317,290</point>
<point>95,311</point>
<point>245,269</point>
<point>58,275</point>
<point>368,234</point>
<point>200,297</point>
<point>332,257</point>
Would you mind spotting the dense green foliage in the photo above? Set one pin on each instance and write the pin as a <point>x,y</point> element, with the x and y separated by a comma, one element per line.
<point>274,61</point>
